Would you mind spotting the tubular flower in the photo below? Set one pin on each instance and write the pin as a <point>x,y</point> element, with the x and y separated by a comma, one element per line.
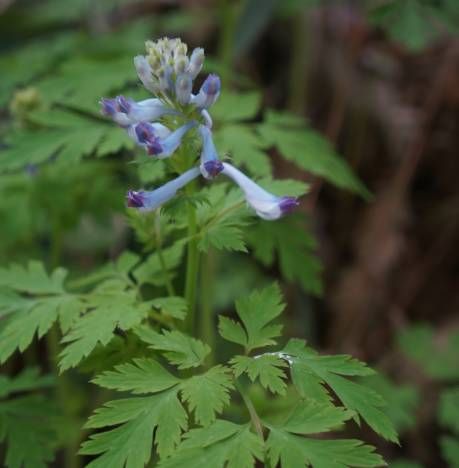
<point>159,125</point>
<point>209,92</point>
<point>150,200</point>
<point>210,165</point>
<point>157,139</point>
<point>126,111</point>
<point>265,204</point>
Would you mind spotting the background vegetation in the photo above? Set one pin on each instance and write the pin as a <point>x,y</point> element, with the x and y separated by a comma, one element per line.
<point>357,99</point>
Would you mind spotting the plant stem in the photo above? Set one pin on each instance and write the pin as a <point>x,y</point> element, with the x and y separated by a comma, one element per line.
<point>192,265</point>
<point>256,422</point>
<point>167,279</point>
<point>207,326</point>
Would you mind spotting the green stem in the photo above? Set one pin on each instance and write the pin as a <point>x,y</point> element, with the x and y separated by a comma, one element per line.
<point>227,25</point>
<point>256,422</point>
<point>162,262</point>
<point>192,265</point>
<point>206,322</point>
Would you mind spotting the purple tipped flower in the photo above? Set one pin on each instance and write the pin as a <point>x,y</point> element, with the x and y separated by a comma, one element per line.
<point>213,168</point>
<point>288,204</point>
<point>135,199</point>
<point>266,205</point>
<point>126,112</point>
<point>210,165</point>
<point>144,132</point>
<point>150,200</point>
<point>108,107</point>
<point>209,92</point>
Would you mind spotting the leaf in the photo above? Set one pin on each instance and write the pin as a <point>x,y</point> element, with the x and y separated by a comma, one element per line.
<point>179,349</point>
<point>311,371</point>
<point>27,422</point>
<point>448,412</point>
<point>450,450</point>
<point>221,223</point>
<point>33,279</point>
<point>28,379</point>
<point>309,151</point>
<point>150,271</point>
<point>222,444</point>
<point>402,400</point>
<point>173,306</point>
<point>236,106</point>
<point>437,359</point>
<point>289,241</point>
<point>109,309</point>
<point>266,367</point>
<point>408,22</point>
<point>256,312</point>
<point>244,147</point>
<point>207,394</point>
<point>141,376</point>
<point>140,420</point>
<point>27,316</point>
<point>81,82</point>
<point>293,451</point>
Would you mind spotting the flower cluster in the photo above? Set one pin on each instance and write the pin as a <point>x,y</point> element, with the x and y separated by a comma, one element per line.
<point>159,125</point>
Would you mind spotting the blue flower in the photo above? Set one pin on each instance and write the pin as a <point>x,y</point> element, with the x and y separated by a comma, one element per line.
<point>150,200</point>
<point>265,204</point>
<point>209,92</point>
<point>210,165</point>
<point>168,73</point>
<point>126,112</point>
<point>157,139</point>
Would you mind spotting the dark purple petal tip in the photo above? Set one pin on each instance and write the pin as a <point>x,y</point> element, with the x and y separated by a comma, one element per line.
<point>154,146</point>
<point>145,132</point>
<point>108,106</point>
<point>212,84</point>
<point>135,199</point>
<point>288,204</point>
<point>213,168</point>
<point>124,104</point>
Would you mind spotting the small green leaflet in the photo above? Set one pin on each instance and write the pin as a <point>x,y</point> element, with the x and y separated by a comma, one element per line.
<point>310,372</point>
<point>150,271</point>
<point>27,316</point>
<point>65,134</point>
<point>293,451</point>
<point>244,147</point>
<point>116,270</point>
<point>222,444</point>
<point>109,307</point>
<point>174,306</point>
<point>287,445</point>
<point>236,106</point>
<point>207,394</point>
<point>179,349</point>
<point>266,367</point>
<point>256,312</point>
<point>221,223</point>
<point>402,400</point>
<point>309,151</point>
<point>289,242</point>
<point>159,416</point>
<point>33,279</point>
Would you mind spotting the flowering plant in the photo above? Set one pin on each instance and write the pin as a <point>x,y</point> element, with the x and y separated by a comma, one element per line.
<point>262,402</point>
